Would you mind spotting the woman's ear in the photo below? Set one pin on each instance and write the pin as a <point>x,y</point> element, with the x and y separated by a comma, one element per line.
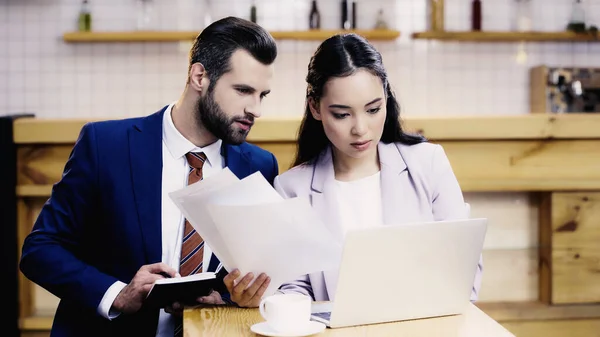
<point>314,109</point>
<point>198,79</point>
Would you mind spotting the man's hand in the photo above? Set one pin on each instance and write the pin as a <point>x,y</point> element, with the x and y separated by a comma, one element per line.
<point>213,299</point>
<point>244,296</point>
<point>131,298</point>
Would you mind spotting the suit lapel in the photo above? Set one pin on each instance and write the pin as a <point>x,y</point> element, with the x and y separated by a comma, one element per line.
<point>237,160</point>
<point>145,153</point>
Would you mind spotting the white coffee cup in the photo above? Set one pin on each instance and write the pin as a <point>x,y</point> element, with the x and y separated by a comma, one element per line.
<point>286,313</point>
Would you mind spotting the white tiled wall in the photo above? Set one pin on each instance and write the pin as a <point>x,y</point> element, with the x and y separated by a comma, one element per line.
<point>40,73</point>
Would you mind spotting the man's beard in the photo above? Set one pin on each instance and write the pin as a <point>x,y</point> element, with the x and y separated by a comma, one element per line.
<point>215,121</point>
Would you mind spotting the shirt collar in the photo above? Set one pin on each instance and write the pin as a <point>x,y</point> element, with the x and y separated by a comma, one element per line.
<point>178,145</point>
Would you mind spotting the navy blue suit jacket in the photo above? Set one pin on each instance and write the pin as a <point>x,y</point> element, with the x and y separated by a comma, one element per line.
<point>103,222</point>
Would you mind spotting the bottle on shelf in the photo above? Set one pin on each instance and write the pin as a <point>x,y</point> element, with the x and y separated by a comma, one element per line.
<point>85,17</point>
<point>253,12</point>
<point>314,18</point>
<point>577,20</point>
<point>436,15</point>
<point>345,20</point>
<point>476,15</point>
<point>354,14</point>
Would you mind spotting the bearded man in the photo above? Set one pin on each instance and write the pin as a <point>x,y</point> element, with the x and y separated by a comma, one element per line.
<point>109,229</point>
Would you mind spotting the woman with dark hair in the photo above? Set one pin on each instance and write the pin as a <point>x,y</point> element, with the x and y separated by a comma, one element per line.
<point>355,163</point>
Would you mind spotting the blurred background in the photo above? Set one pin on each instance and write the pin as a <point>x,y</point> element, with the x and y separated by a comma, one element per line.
<point>491,58</point>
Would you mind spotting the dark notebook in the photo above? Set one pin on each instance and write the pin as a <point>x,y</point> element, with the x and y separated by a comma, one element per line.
<point>184,289</point>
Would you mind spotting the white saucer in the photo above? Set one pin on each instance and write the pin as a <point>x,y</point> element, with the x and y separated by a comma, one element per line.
<point>311,328</point>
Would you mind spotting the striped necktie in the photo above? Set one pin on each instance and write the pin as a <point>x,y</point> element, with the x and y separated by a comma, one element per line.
<point>192,248</point>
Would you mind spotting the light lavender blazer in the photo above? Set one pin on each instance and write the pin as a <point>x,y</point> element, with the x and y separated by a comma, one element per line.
<point>417,184</point>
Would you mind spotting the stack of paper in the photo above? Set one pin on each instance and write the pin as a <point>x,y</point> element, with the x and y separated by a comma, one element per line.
<point>249,226</point>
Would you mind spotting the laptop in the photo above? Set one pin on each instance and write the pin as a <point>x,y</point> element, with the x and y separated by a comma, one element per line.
<point>404,272</point>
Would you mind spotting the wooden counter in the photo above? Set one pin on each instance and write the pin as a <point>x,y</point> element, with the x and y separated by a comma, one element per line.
<point>552,158</point>
<point>231,321</point>
<point>515,153</point>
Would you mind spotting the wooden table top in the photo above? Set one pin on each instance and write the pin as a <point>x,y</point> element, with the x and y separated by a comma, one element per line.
<point>232,321</point>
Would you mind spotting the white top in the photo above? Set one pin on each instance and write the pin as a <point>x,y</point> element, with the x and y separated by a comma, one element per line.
<point>360,206</point>
<point>360,202</point>
<point>175,174</point>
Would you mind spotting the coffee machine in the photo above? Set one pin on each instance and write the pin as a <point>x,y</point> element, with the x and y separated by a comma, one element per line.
<point>566,90</point>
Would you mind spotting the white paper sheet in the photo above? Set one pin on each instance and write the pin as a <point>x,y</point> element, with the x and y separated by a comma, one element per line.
<point>191,200</point>
<point>249,226</point>
<point>285,240</point>
<point>252,190</point>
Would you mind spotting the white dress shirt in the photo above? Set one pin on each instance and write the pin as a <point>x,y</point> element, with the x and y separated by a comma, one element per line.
<point>174,177</point>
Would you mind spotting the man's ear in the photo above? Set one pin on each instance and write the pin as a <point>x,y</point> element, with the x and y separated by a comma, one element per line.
<point>198,78</point>
<point>314,109</point>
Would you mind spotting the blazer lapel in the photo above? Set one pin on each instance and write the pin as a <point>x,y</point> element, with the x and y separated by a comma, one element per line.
<point>322,195</point>
<point>145,153</point>
<point>400,202</point>
<point>323,201</point>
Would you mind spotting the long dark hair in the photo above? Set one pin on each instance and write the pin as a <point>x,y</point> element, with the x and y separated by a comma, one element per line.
<point>339,56</point>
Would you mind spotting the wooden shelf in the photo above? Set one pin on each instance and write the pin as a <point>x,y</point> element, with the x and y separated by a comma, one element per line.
<point>173,36</point>
<point>506,36</point>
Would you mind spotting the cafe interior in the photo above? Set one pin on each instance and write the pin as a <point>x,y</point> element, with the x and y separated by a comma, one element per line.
<point>509,88</point>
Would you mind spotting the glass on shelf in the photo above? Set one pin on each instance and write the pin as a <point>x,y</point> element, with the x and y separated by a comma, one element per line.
<point>145,15</point>
<point>380,21</point>
<point>522,16</point>
<point>207,18</point>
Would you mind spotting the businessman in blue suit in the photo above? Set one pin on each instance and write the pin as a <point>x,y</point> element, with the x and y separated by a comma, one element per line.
<point>109,229</point>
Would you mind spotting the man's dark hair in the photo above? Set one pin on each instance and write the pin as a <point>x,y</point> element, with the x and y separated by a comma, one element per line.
<point>217,42</point>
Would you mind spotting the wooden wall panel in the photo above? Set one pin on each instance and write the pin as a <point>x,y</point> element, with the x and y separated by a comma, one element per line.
<point>576,248</point>
<point>538,95</point>
<point>41,164</point>
<point>35,334</point>
<point>511,244</point>
<point>45,302</point>
<point>512,218</point>
<point>509,275</point>
<point>545,250</point>
<point>42,302</point>
<point>525,165</point>
<point>24,221</point>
